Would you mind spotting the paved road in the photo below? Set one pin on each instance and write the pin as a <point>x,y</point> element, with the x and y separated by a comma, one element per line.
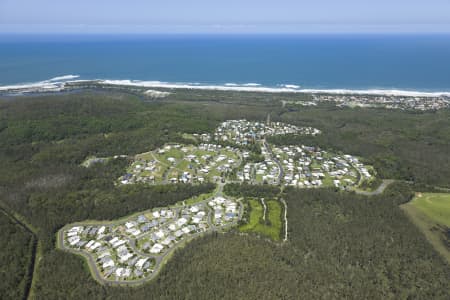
<point>379,190</point>
<point>285,220</point>
<point>159,259</point>
<point>269,150</point>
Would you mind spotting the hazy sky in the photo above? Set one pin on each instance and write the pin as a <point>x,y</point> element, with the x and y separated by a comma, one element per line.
<point>224,16</point>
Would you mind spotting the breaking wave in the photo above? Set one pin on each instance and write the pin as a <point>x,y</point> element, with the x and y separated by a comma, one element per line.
<point>58,83</point>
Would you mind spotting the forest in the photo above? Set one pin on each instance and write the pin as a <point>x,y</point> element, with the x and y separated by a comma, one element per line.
<point>15,256</point>
<point>340,245</point>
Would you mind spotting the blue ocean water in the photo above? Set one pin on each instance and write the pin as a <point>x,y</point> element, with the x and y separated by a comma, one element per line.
<point>408,62</point>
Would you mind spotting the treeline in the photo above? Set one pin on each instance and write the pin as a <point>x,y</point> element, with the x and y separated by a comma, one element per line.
<point>340,245</point>
<point>252,191</point>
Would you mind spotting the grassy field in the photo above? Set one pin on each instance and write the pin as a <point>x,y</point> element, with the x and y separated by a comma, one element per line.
<point>256,224</point>
<point>194,200</point>
<point>431,213</point>
<point>435,205</point>
<point>274,215</point>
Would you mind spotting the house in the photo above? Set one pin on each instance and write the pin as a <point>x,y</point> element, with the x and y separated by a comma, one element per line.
<point>142,219</point>
<point>140,263</point>
<point>108,263</point>
<point>181,221</point>
<point>156,248</point>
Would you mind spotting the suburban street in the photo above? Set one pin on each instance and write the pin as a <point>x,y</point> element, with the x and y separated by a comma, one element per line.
<point>159,259</point>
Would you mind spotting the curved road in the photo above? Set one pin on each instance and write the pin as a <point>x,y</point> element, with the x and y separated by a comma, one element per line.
<point>159,259</point>
<point>379,190</point>
<point>269,150</point>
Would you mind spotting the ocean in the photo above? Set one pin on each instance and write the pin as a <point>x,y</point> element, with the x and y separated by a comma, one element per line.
<point>354,62</point>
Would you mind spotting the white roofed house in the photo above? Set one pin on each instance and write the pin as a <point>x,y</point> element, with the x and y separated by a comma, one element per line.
<point>73,240</point>
<point>140,263</point>
<point>108,263</point>
<point>130,224</point>
<point>196,219</point>
<point>181,221</point>
<point>157,248</point>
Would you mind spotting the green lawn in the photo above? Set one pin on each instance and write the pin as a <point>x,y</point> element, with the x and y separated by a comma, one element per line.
<point>274,215</point>
<point>430,212</point>
<point>328,181</point>
<point>189,136</point>
<point>435,205</point>
<point>194,200</point>
<point>259,178</point>
<point>256,213</point>
<point>145,156</point>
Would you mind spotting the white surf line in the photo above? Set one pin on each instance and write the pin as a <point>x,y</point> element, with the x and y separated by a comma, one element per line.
<point>59,83</point>
<point>285,221</point>
<point>279,89</point>
<point>265,209</point>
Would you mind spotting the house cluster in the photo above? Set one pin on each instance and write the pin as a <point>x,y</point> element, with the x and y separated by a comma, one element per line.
<point>129,249</point>
<point>266,171</point>
<point>261,172</point>
<point>304,167</point>
<point>173,227</point>
<point>111,251</point>
<point>299,166</point>
<point>203,162</point>
<point>225,210</point>
<point>243,132</point>
<point>360,167</point>
<point>307,167</point>
<point>178,163</point>
<point>386,101</point>
<point>142,171</point>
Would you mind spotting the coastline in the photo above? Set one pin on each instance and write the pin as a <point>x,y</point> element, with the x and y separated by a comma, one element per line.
<point>60,83</point>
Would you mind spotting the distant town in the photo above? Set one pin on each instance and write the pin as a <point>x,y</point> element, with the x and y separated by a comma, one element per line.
<point>403,100</point>
<point>384,101</point>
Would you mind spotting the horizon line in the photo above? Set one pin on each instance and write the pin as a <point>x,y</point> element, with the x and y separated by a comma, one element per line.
<point>230,29</point>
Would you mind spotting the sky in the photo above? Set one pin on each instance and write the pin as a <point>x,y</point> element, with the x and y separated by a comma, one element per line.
<point>224,16</point>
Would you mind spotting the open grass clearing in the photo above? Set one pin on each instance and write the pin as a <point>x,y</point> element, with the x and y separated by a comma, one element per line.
<point>272,228</point>
<point>430,212</point>
<point>435,205</point>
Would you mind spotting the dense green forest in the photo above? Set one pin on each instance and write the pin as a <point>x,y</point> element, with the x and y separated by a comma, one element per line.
<point>248,190</point>
<point>340,245</point>
<point>15,255</point>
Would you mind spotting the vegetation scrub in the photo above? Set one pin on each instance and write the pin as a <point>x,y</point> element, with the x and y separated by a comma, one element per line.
<point>33,250</point>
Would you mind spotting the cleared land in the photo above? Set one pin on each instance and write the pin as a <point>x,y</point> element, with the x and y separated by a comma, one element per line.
<point>271,227</point>
<point>431,213</point>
